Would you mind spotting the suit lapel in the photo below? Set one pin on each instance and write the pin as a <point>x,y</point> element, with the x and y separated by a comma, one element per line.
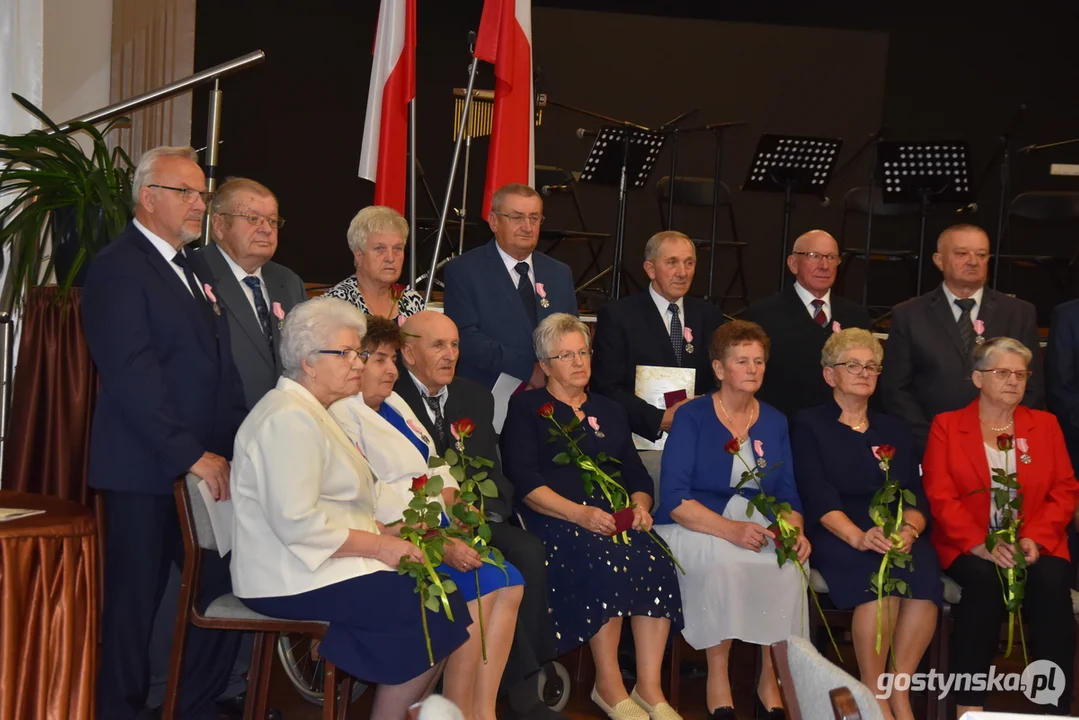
<point>987,312</point>
<point>798,311</point>
<point>656,326</point>
<point>233,298</point>
<point>543,276</point>
<point>278,291</point>
<point>501,279</point>
<point>938,308</point>
<point>970,438</point>
<point>406,388</point>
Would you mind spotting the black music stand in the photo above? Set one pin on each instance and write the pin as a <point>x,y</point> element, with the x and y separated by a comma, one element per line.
<point>792,164</point>
<point>622,157</point>
<point>926,173</point>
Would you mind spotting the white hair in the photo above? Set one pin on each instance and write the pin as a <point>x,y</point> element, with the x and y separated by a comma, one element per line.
<point>651,248</point>
<point>984,353</point>
<point>310,327</point>
<point>145,168</point>
<point>552,329</point>
<point>372,220</point>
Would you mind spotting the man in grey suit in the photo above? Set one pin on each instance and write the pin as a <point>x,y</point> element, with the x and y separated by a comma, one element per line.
<point>927,361</point>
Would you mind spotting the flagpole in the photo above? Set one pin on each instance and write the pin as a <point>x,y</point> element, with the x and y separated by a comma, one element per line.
<point>449,185</point>
<point>412,193</point>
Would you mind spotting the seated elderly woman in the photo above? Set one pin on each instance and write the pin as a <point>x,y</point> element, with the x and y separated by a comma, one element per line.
<point>966,449</point>
<point>306,543</point>
<point>734,587</point>
<point>838,473</point>
<point>376,237</point>
<point>594,581</point>
<point>398,447</point>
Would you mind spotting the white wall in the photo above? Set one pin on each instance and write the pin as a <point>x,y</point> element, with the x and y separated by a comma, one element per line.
<point>77,57</point>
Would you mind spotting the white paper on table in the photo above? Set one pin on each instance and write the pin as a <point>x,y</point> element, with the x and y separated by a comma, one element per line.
<point>220,512</point>
<point>17,513</point>
<point>651,382</point>
<point>504,387</point>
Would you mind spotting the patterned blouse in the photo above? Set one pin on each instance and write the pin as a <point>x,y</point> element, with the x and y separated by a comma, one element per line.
<point>411,302</point>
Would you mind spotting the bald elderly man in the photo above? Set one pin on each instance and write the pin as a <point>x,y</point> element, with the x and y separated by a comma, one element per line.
<point>799,320</point>
<point>439,397</point>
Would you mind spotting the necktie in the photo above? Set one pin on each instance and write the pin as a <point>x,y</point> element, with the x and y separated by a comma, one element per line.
<point>192,282</point>
<point>261,310</point>
<point>524,289</point>
<point>676,332</point>
<point>818,312</point>
<point>440,421</point>
<point>966,326</point>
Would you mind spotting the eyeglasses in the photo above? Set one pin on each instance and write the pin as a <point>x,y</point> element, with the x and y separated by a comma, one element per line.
<point>255,219</point>
<point>568,356</point>
<point>855,368</point>
<point>188,195</point>
<point>518,218</point>
<point>819,257</point>
<point>1004,373</point>
<point>349,354</point>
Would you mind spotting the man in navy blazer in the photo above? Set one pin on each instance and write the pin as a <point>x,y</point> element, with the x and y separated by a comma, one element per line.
<point>1062,372</point>
<point>499,292</point>
<point>642,329</point>
<point>169,403</point>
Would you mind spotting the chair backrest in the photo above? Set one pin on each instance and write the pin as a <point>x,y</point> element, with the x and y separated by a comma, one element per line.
<point>857,200</point>
<point>653,461</point>
<point>1046,206</point>
<point>691,191</point>
<point>200,516</point>
<point>551,175</point>
<point>806,679</point>
<point>844,706</point>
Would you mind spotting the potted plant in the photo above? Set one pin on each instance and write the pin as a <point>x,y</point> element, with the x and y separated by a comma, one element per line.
<point>60,196</point>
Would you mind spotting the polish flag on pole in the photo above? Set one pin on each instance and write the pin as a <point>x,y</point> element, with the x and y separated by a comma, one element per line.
<point>384,154</point>
<point>505,39</point>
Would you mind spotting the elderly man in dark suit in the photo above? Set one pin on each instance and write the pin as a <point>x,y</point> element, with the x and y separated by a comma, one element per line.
<point>662,326</point>
<point>799,320</point>
<point>169,403</point>
<point>498,293</point>
<point>930,344</point>
<point>439,398</point>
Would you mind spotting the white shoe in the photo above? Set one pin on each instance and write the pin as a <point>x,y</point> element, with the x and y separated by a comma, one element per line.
<point>659,711</point>
<point>625,710</point>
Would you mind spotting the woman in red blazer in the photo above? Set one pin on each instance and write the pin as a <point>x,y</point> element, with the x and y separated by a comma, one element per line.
<point>956,474</point>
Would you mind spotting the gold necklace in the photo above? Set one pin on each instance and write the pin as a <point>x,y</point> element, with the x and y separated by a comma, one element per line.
<point>745,433</point>
<point>859,426</point>
<point>997,429</point>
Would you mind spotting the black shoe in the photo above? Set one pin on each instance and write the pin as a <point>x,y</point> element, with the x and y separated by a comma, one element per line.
<point>723,713</point>
<point>776,713</point>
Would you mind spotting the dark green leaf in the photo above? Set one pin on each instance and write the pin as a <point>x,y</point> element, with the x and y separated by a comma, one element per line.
<point>488,488</point>
<point>451,456</point>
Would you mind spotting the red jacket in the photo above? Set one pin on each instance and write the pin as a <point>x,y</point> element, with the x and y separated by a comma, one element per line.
<point>955,466</point>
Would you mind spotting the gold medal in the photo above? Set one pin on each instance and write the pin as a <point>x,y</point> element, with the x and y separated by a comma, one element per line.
<point>689,347</point>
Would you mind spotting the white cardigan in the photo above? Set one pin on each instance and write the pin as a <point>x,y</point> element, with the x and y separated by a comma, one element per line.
<point>394,460</point>
<point>298,485</point>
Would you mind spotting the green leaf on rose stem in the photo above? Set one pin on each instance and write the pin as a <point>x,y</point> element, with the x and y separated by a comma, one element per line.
<point>572,425</point>
<point>434,485</point>
<point>469,498</point>
<point>480,476</point>
<point>601,457</point>
<point>484,532</point>
<point>561,459</point>
<point>457,473</point>
<point>476,462</point>
<point>431,604</point>
<point>497,557</point>
<point>902,587</point>
<point>614,460</point>
<point>749,510</point>
<point>472,518</point>
<point>785,507</point>
<point>908,498</point>
<point>435,461</point>
<point>990,542</point>
<point>449,586</point>
<point>488,488</point>
<point>435,590</point>
<point>588,486</point>
<point>553,432</point>
<point>451,456</point>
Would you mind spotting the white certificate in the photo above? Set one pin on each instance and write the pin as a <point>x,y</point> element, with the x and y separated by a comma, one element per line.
<point>651,382</point>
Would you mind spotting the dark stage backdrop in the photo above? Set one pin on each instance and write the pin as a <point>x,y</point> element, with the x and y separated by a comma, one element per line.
<point>295,122</point>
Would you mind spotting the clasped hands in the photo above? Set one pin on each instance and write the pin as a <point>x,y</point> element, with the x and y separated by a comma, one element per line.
<point>1003,554</point>
<point>752,536</point>
<point>598,521</point>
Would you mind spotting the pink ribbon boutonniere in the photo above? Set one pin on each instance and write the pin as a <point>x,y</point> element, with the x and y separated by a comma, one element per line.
<point>544,302</point>
<point>1023,447</point>
<point>687,335</point>
<point>594,423</point>
<point>416,428</point>
<point>279,313</point>
<point>209,291</point>
<point>836,327</point>
<point>979,327</point>
<point>758,450</point>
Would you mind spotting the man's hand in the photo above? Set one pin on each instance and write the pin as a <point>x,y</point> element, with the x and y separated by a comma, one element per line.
<point>538,379</point>
<point>214,469</point>
<point>668,414</point>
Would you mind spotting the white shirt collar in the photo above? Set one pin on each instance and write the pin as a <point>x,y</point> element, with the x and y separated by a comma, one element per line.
<point>511,264</point>
<point>441,394</point>
<point>952,297</point>
<point>167,251</point>
<point>663,305</point>
<point>238,271</point>
<point>807,299</point>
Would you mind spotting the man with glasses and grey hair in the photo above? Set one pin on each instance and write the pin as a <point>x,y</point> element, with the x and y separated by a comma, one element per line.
<point>799,320</point>
<point>498,293</point>
<point>169,403</point>
<point>933,336</point>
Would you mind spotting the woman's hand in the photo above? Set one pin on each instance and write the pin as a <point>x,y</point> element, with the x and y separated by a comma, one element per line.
<point>802,547</point>
<point>459,556</point>
<point>908,537</point>
<point>1030,550</point>
<point>391,550</point>
<point>595,520</point>
<point>873,540</point>
<point>1003,554</point>
<point>642,520</point>
<point>748,535</point>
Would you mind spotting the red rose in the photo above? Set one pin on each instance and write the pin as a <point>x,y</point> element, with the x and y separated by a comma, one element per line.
<point>1004,442</point>
<point>546,410</point>
<point>462,428</point>
<point>623,520</point>
<point>419,482</point>
<point>733,446</point>
<point>396,291</point>
<point>886,452</point>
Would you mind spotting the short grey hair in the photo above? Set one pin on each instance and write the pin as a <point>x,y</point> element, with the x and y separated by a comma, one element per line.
<point>236,185</point>
<point>372,220</point>
<point>498,197</point>
<point>847,340</point>
<point>984,353</point>
<point>651,248</point>
<point>145,168</point>
<point>552,329</point>
<point>309,327</point>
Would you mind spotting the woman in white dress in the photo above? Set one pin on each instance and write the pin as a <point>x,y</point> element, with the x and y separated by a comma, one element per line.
<point>734,587</point>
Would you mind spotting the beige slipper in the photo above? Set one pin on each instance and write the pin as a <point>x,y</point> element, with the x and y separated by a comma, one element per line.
<point>659,711</point>
<point>625,710</point>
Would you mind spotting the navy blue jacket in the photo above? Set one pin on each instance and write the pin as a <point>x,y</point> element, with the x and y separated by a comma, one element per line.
<point>496,335</point>
<point>169,389</point>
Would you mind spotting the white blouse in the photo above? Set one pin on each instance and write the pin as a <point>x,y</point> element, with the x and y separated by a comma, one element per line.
<point>997,459</point>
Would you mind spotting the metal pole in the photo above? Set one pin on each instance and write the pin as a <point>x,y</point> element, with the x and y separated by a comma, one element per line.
<point>620,229</point>
<point>213,132</point>
<point>1002,216</point>
<point>7,364</point>
<point>463,215</point>
<point>869,224</point>
<point>412,194</point>
<point>453,175</point>
<point>671,183</point>
<point>717,184</point>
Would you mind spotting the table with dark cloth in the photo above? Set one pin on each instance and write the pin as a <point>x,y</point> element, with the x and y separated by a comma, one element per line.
<point>48,610</point>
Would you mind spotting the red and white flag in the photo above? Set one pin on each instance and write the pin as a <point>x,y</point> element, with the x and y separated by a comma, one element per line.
<point>384,154</point>
<point>505,39</point>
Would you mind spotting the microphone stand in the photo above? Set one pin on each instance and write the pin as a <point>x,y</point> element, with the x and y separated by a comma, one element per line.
<point>673,131</point>
<point>1005,148</point>
<point>1036,148</point>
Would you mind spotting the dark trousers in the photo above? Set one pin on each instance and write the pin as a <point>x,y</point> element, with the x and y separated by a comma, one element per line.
<point>533,641</point>
<point>1047,611</point>
<point>142,541</point>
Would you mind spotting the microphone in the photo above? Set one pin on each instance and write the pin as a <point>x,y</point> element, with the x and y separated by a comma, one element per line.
<point>553,189</point>
<point>582,133</point>
<point>825,201</point>
<point>969,208</point>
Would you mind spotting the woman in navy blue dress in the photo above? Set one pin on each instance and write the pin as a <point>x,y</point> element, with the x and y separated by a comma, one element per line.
<point>838,474</point>
<point>593,582</point>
